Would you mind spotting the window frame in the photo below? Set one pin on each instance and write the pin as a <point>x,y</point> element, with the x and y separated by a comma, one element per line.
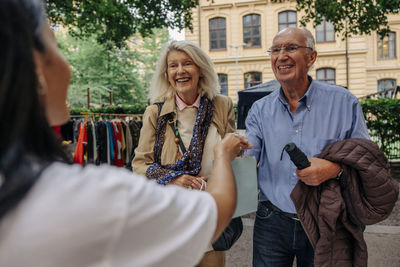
<point>287,23</point>
<point>391,43</point>
<point>326,80</point>
<point>252,27</point>
<point>218,31</point>
<point>388,94</point>
<point>386,80</point>
<point>324,32</point>
<point>223,85</point>
<point>253,82</point>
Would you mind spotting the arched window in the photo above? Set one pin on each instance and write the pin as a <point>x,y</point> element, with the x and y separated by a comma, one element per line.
<point>287,19</point>
<point>252,30</point>
<point>387,46</point>
<point>223,82</point>
<point>385,84</point>
<point>326,75</point>
<point>217,33</point>
<point>325,32</point>
<point>252,78</point>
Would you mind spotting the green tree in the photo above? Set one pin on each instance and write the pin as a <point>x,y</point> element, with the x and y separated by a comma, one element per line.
<point>361,16</point>
<point>147,51</point>
<point>124,70</point>
<point>116,20</point>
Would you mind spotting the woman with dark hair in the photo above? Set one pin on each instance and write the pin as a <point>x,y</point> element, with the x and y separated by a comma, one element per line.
<point>56,214</point>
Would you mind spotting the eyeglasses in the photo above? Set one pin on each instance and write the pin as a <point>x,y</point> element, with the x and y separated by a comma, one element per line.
<point>290,48</point>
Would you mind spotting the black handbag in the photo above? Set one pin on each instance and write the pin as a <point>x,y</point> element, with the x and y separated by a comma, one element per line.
<point>230,235</point>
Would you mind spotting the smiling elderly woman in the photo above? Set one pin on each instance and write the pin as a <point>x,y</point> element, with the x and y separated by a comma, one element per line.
<point>178,135</point>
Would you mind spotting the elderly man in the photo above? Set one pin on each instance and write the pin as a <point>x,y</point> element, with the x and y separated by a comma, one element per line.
<point>310,114</point>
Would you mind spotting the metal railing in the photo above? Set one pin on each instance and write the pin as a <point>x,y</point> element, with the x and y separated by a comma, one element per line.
<point>391,93</point>
<point>393,153</point>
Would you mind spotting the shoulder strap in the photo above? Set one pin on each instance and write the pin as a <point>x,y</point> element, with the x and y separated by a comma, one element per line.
<point>159,105</point>
<point>177,135</point>
<point>171,124</point>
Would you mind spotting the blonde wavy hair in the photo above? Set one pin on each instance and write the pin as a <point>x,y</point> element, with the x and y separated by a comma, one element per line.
<point>160,88</point>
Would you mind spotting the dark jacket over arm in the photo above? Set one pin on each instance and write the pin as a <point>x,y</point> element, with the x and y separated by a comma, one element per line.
<point>335,213</point>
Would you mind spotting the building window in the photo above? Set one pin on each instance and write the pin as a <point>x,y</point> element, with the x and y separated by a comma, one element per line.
<point>325,31</point>
<point>287,19</point>
<point>326,75</point>
<point>385,84</point>
<point>252,78</point>
<point>252,30</point>
<point>223,82</point>
<point>387,46</point>
<point>217,33</point>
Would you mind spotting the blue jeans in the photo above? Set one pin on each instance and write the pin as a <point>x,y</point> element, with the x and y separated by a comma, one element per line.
<point>278,239</point>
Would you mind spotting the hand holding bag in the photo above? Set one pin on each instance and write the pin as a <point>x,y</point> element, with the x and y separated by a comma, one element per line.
<point>245,171</point>
<point>230,235</point>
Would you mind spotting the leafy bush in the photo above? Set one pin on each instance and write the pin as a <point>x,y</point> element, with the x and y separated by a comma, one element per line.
<point>383,122</point>
<point>123,109</point>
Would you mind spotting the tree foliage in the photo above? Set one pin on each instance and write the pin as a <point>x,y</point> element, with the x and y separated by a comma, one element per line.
<point>147,51</point>
<point>383,122</point>
<point>361,16</point>
<point>97,66</point>
<point>117,20</point>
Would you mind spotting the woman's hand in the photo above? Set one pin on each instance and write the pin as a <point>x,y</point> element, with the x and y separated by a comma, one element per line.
<point>189,181</point>
<point>231,146</point>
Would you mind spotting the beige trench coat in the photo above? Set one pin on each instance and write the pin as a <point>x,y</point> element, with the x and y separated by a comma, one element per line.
<point>223,119</point>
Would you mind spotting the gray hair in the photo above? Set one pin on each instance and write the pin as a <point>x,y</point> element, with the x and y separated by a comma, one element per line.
<point>310,41</point>
<point>160,88</point>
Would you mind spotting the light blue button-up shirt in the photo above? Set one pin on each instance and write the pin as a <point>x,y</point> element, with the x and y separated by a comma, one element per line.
<point>326,113</point>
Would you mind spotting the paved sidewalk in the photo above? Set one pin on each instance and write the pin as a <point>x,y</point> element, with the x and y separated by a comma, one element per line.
<point>383,243</point>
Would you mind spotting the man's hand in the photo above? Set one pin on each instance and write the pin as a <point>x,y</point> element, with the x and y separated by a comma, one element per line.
<point>231,146</point>
<point>319,171</point>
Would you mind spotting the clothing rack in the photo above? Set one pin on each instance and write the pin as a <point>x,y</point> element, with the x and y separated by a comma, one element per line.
<point>108,140</point>
<point>138,117</point>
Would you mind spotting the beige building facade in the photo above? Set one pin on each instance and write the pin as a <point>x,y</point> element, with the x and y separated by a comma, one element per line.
<point>238,34</point>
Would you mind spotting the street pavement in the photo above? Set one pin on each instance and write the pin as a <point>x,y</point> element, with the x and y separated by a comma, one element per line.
<point>383,242</point>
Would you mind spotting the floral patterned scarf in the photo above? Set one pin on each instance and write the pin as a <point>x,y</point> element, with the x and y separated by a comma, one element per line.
<point>190,162</point>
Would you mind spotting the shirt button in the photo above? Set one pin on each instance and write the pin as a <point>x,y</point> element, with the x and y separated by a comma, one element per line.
<point>294,174</point>
<point>297,131</point>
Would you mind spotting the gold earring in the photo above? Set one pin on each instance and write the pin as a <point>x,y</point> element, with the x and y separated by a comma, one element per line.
<point>42,85</point>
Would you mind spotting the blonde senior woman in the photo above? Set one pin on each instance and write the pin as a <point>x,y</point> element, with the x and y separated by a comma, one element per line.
<point>178,135</point>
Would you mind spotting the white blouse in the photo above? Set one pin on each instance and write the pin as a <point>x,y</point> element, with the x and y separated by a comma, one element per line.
<point>106,216</point>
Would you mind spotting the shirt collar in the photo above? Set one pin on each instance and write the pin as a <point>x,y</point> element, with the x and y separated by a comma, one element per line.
<point>182,105</point>
<point>309,95</point>
<point>306,98</point>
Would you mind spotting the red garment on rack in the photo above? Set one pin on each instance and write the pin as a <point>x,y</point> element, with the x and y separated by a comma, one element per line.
<point>57,130</point>
<point>80,146</point>
<point>118,144</point>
